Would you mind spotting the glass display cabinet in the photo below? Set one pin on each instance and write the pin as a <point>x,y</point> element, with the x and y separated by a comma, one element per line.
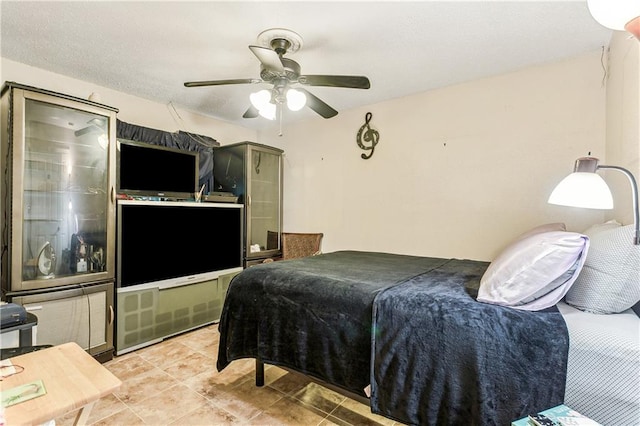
<point>59,189</point>
<point>57,208</point>
<point>253,172</point>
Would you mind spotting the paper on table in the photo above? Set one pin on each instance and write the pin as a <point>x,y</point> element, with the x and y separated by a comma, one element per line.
<point>22,393</point>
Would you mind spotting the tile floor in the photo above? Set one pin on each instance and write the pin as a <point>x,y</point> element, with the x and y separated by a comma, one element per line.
<point>175,382</point>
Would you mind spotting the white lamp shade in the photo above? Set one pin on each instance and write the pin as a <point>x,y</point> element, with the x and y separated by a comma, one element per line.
<point>614,14</point>
<point>268,111</point>
<point>296,100</point>
<point>260,99</point>
<point>582,189</point>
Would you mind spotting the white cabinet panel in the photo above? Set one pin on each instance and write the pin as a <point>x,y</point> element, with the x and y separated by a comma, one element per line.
<point>82,314</point>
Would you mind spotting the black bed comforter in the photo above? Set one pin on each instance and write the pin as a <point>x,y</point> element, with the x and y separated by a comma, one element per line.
<point>408,326</point>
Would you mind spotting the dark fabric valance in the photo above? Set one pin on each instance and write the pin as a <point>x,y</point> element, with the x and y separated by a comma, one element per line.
<point>181,140</point>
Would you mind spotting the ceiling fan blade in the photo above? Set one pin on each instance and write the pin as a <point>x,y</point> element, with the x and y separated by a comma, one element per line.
<point>349,81</point>
<point>269,58</point>
<point>252,112</point>
<point>318,105</point>
<point>221,82</point>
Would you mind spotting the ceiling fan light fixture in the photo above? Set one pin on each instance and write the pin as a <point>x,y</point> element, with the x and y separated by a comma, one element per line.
<point>260,99</point>
<point>296,100</point>
<point>282,73</point>
<point>268,111</point>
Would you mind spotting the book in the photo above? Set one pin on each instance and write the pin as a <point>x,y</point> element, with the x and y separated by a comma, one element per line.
<point>561,415</point>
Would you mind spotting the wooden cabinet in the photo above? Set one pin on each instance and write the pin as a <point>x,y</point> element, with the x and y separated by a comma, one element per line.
<point>253,172</point>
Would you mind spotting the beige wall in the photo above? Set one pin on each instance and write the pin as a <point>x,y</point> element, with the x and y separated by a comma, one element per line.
<point>623,121</point>
<point>458,172</point>
<point>132,109</point>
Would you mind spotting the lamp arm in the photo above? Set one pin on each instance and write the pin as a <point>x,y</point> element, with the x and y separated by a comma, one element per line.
<point>634,190</point>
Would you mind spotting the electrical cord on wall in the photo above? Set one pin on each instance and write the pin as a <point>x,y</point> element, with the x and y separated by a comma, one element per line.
<point>180,122</point>
<point>604,67</point>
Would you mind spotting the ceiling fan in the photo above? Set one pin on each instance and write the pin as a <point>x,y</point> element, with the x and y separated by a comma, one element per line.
<point>284,74</point>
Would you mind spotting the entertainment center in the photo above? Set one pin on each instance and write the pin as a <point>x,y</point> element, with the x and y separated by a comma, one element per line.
<point>102,237</point>
<point>173,277</point>
<point>175,259</point>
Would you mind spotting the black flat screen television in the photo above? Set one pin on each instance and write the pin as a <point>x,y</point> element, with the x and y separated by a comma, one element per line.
<point>170,243</point>
<point>150,170</point>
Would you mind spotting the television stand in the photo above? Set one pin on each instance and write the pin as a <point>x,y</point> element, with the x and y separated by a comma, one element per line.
<point>148,314</point>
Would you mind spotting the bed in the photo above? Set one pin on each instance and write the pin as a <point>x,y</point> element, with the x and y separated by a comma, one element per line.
<point>407,333</point>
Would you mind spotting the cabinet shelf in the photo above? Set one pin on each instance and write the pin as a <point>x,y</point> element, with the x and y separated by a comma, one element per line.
<point>57,164</point>
<point>65,191</point>
<point>54,143</point>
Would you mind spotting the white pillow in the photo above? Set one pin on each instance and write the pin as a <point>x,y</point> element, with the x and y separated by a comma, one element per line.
<point>547,227</point>
<point>534,272</point>
<point>610,280</point>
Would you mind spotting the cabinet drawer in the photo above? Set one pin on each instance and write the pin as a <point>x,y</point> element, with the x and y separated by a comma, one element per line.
<point>82,314</point>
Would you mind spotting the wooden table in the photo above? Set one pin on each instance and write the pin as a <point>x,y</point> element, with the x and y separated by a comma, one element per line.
<point>72,378</point>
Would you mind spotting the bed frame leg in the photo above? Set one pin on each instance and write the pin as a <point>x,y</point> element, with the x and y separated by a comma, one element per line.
<point>259,372</point>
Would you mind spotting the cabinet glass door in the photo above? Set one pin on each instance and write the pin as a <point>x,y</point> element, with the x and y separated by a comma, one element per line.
<point>264,220</point>
<point>65,197</point>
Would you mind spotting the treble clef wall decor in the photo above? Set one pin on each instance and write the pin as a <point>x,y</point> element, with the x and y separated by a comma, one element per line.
<point>369,135</point>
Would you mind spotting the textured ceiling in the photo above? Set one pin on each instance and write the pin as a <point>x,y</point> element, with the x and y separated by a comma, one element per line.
<point>149,49</point>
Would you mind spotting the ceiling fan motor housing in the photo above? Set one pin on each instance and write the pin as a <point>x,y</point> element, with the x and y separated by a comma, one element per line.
<point>291,71</point>
<point>280,45</point>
